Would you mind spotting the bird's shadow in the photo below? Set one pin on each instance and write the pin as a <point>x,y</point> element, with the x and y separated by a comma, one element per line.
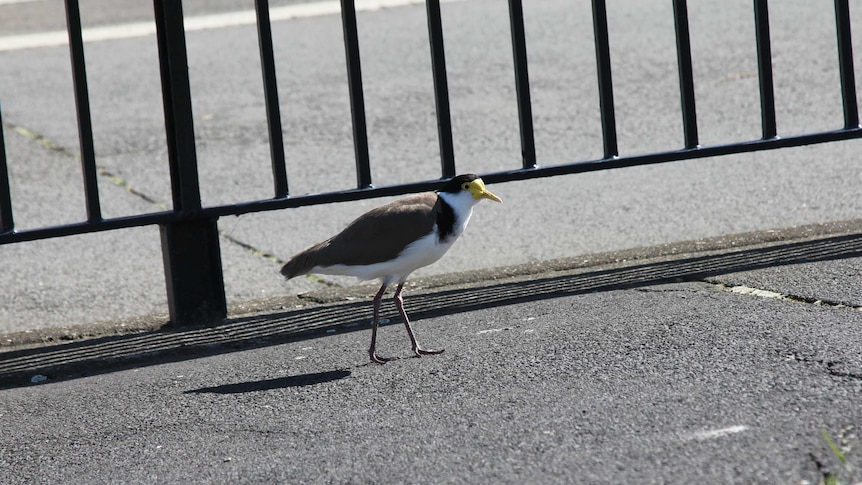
<point>300,380</point>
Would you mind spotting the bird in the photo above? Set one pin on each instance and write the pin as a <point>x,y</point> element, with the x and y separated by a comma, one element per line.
<point>392,241</point>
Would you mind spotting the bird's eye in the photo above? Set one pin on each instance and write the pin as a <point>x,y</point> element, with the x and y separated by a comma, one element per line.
<point>466,186</point>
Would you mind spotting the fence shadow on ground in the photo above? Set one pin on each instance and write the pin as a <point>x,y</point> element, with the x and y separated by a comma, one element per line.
<point>106,354</point>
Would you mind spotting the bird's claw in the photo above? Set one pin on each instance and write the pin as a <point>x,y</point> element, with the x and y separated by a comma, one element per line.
<point>420,352</point>
<point>376,359</point>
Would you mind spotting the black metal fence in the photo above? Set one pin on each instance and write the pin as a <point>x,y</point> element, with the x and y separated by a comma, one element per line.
<point>189,232</point>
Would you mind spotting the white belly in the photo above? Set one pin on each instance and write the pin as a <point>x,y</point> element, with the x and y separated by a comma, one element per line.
<point>421,253</point>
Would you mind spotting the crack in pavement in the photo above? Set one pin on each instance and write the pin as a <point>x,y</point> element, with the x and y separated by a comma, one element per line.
<point>275,259</point>
<point>252,249</point>
<point>830,365</point>
<point>763,293</point>
<point>100,170</point>
<point>119,181</point>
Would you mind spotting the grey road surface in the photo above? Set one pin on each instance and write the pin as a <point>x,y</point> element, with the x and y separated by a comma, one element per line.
<point>119,274</point>
<point>595,375</point>
<point>605,327</point>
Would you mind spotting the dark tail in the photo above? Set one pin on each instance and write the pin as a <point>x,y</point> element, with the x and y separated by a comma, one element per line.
<point>300,264</point>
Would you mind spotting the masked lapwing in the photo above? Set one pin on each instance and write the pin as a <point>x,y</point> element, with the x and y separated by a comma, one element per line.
<point>392,241</point>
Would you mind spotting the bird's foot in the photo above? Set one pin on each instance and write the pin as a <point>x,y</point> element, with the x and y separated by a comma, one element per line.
<point>420,351</point>
<point>374,358</point>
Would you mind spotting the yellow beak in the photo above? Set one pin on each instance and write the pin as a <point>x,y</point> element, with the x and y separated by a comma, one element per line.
<point>477,188</point>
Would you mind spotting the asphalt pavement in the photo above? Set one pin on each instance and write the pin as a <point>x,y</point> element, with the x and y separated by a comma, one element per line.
<point>731,360</point>
<point>693,322</point>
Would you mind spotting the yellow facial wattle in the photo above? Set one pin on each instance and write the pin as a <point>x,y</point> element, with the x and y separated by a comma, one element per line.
<point>477,188</point>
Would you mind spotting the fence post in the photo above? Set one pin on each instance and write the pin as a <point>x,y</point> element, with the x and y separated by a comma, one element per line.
<point>606,84</point>
<point>190,246</point>
<point>357,98</point>
<point>845,64</point>
<point>193,272</point>
<point>82,110</point>
<point>522,84</point>
<point>7,224</point>
<point>686,76</point>
<point>441,88</point>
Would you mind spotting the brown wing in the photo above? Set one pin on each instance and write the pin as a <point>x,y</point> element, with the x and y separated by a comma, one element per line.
<point>378,235</point>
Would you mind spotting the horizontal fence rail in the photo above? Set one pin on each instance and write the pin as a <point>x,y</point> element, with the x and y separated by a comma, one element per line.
<point>190,241</point>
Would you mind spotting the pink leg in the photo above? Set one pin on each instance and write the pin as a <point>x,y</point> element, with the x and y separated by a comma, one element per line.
<point>399,303</point>
<point>372,353</point>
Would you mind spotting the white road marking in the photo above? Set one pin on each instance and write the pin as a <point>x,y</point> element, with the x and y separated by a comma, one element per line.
<point>203,22</point>
<point>717,433</point>
<point>10,2</point>
<point>491,330</point>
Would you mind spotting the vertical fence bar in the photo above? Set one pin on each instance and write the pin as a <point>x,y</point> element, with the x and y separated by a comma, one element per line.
<point>357,100</point>
<point>764,69</point>
<point>606,85</point>
<point>177,99</point>
<point>845,64</point>
<point>82,108</point>
<point>7,223</point>
<point>190,247</point>
<point>522,84</point>
<point>686,77</point>
<point>441,88</point>
<point>270,93</point>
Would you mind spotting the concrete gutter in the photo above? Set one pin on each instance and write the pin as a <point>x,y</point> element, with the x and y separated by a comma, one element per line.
<point>477,280</point>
